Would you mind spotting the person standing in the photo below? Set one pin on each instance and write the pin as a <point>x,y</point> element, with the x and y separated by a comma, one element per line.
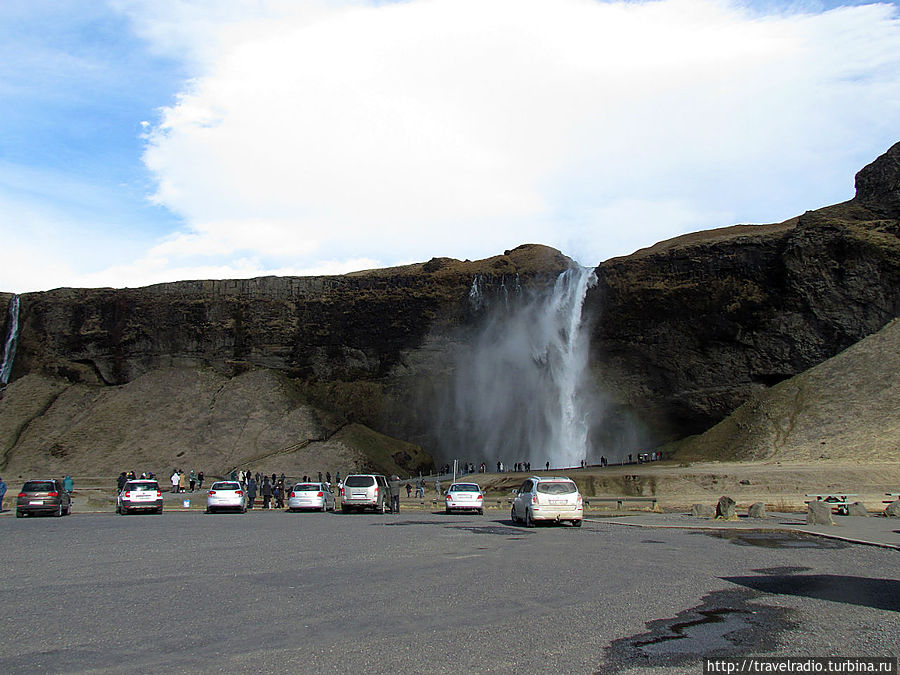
<point>420,487</point>
<point>266,493</point>
<point>182,481</point>
<point>2,492</point>
<point>68,484</point>
<point>251,491</point>
<point>175,480</point>
<point>437,487</point>
<point>395,493</point>
<point>408,489</point>
<point>193,480</point>
<point>200,481</point>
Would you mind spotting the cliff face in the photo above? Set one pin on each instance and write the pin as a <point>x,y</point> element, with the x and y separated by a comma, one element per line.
<point>340,337</point>
<point>688,329</point>
<point>682,334</point>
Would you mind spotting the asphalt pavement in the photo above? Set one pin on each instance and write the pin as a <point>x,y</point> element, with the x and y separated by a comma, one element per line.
<point>426,592</point>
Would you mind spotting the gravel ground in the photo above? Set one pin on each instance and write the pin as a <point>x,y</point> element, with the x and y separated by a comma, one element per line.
<point>420,591</point>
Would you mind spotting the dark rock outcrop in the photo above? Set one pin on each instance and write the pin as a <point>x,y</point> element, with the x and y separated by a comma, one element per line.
<point>689,329</point>
<point>757,510</point>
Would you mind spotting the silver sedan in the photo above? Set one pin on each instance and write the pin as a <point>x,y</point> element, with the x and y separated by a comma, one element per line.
<point>226,494</point>
<point>465,497</point>
<point>316,496</point>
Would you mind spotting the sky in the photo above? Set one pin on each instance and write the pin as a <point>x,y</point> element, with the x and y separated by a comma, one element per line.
<point>144,141</point>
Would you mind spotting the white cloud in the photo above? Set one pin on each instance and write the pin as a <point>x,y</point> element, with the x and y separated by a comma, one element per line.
<point>341,131</point>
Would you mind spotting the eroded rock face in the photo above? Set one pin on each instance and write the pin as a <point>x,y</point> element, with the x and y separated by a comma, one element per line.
<point>726,509</point>
<point>689,329</point>
<point>819,513</point>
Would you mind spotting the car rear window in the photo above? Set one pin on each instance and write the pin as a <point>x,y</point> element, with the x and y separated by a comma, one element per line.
<point>307,487</point>
<point>359,481</point>
<point>225,486</point>
<point>39,486</point>
<point>142,487</point>
<point>557,488</point>
<point>464,487</point>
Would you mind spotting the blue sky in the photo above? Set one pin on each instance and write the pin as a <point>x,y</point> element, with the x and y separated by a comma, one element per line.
<point>145,141</point>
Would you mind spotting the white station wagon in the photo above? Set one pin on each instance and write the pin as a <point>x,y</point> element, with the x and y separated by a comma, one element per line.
<point>548,499</point>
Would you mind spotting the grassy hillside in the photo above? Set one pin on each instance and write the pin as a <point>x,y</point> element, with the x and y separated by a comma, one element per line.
<point>843,409</point>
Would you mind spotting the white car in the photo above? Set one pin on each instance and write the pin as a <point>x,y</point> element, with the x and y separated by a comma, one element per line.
<point>548,499</point>
<point>139,495</point>
<point>316,496</point>
<point>365,491</point>
<point>464,497</point>
<point>226,494</point>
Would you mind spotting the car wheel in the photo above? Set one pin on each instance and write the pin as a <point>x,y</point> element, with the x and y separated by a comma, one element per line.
<point>576,523</point>
<point>447,511</point>
<point>68,509</point>
<point>159,511</point>
<point>324,507</point>
<point>512,515</point>
<point>529,521</point>
<point>19,514</point>
<point>382,508</point>
<point>345,509</point>
<point>480,512</point>
<point>208,510</point>
<point>59,510</point>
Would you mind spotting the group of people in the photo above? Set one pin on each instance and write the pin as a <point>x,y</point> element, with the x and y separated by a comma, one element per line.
<point>182,482</point>
<point>273,488</point>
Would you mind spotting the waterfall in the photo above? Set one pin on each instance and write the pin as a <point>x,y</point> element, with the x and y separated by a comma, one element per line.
<point>9,346</point>
<point>521,390</point>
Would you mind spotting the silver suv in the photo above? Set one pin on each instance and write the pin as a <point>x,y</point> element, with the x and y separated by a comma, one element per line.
<point>551,499</point>
<point>365,491</point>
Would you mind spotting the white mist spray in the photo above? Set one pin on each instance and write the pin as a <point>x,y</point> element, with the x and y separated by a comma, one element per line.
<point>522,393</point>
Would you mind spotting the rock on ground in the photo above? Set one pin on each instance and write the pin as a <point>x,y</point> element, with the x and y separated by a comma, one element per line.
<point>857,509</point>
<point>725,509</point>
<point>893,509</point>
<point>819,513</point>
<point>702,511</point>
<point>757,510</point>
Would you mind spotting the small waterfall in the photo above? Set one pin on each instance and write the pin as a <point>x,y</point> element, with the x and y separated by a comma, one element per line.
<point>9,346</point>
<point>521,390</point>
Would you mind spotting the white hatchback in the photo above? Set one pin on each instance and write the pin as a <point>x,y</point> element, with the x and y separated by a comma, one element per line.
<point>316,496</point>
<point>548,499</point>
<point>226,494</point>
<point>465,497</point>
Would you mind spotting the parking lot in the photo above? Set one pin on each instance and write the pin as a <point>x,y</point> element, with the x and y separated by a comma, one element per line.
<point>422,591</point>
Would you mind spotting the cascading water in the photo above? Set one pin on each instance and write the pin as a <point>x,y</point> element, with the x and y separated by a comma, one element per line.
<point>9,346</point>
<point>521,391</point>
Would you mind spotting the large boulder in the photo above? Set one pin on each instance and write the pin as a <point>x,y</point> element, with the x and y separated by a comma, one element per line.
<point>857,509</point>
<point>702,511</point>
<point>893,509</point>
<point>726,509</point>
<point>819,513</point>
<point>757,510</point>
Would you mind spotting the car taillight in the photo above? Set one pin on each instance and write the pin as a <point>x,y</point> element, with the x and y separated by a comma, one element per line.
<point>53,494</point>
<point>376,491</point>
<point>580,500</point>
<point>321,494</point>
<point>127,494</point>
<point>211,492</point>
<point>448,497</point>
<point>292,494</point>
<point>342,492</point>
<point>534,498</point>
<point>21,494</point>
<point>480,497</point>
<point>158,494</point>
<point>239,492</point>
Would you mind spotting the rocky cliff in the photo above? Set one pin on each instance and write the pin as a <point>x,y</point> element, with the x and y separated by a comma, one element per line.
<point>682,333</point>
<point>687,330</point>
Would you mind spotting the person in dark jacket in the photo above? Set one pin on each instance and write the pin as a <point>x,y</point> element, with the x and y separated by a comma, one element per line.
<point>395,493</point>
<point>120,481</point>
<point>251,492</point>
<point>266,493</point>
